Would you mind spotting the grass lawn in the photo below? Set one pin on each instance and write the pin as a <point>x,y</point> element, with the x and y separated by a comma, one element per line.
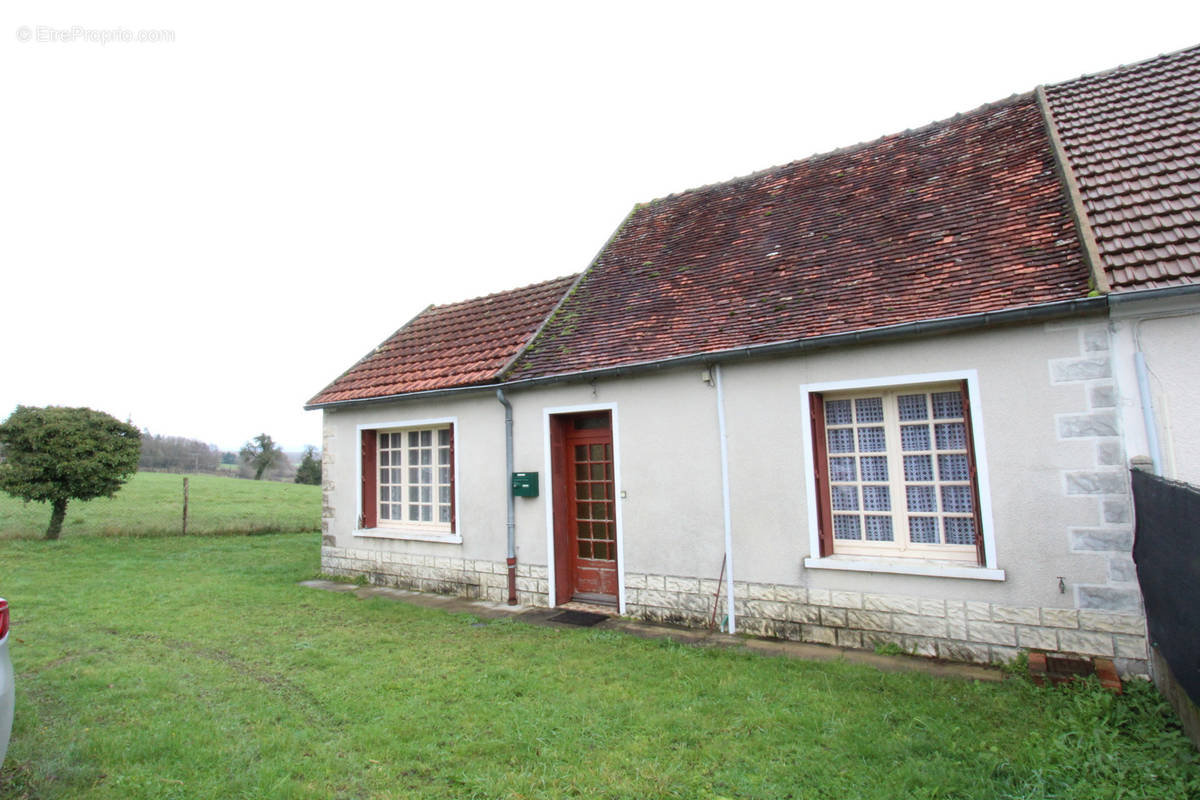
<point>151,503</point>
<point>197,668</point>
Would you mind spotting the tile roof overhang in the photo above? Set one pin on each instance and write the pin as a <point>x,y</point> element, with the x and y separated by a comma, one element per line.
<point>1131,139</point>
<point>455,345</point>
<point>1044,312</point>
<point>960,218</point>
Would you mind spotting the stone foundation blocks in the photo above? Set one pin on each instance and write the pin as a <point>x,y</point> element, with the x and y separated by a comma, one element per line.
<point>848,600</point>
<point>920,646</point>
<point>1132,624</point>
<point>869,620</point>
<point>848,638</point>
<point>1060,617</point>
<point>933,608</point>
<point>920,626</point>
<point>818,634</point>
<point>1131,647</point>
<point>1016,614</point>
<point>897,604</point>
<point>1086,643</point>
<point>971,631</point>
<point>1037,638</point>
<point>992,633</point>
<point>1002,655</point>
<point>981,612</point>
<point>961,651</point>
<point>833,617</point>
<point>441,575</point>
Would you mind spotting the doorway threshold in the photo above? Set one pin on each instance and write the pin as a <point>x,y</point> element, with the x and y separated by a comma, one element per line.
<point>587,598</point>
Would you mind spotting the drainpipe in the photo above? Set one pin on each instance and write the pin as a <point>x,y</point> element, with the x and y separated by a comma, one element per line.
<point>725,499</point>
<point>1139,365</point>
<point>512,525</point>
<point>1143,379</point>
<point>1117,302</point>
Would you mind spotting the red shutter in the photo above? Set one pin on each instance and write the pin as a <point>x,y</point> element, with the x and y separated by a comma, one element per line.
<point>821,471</point>
<point>966,404</point>
<point>370,481</point>
<point>453,507</point>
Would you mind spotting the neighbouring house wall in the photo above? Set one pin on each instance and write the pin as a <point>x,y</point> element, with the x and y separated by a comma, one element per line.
<point>1058,489</point>
<point>1167,332</point>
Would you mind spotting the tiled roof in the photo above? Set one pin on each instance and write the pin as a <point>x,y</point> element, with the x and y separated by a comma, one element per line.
<point>959,217</point>
<point>1132,138</point>
<point>459,344</point>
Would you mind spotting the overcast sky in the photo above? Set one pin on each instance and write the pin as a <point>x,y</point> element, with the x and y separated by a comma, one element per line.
<point>199,232</point>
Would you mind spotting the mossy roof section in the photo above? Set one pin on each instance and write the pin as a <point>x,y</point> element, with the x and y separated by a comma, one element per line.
<point>959,217</point>
<point>1132,138</point>
<point>457,344</point>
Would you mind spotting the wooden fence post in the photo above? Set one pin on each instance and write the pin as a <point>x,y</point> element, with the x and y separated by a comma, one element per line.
<point>185,502</point>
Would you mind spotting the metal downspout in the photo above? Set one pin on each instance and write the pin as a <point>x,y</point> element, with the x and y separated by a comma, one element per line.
<point>1143,379</point>
<point>725,499</point>
<point>512,524</point>
<point>1149,417</point>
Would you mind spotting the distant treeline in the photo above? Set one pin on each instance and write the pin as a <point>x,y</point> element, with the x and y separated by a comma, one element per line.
<point>177,454</point>
<point>180,454</point>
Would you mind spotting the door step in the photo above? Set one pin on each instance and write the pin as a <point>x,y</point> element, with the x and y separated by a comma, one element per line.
<point>606,603</point>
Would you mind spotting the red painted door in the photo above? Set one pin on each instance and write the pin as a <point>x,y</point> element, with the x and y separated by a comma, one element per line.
<point>591,528</point>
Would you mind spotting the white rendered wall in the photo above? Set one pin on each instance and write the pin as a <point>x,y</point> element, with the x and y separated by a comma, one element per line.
<point>1059,491</point>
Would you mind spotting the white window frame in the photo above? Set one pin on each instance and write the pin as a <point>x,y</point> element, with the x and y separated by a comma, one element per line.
<point>403,529</point>
<point>905,565</point>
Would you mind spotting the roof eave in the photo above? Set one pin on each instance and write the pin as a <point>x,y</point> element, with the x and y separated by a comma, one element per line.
<point>1127,295</point>
<point>373,351</point>
<point>932,327</point>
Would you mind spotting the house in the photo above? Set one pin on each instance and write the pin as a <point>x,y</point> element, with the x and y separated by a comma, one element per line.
<point>874,396</point>
<point>1131,139</point>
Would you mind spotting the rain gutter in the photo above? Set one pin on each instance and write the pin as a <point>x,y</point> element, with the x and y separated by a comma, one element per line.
<point>1119,298</point>
<point>932,327</point>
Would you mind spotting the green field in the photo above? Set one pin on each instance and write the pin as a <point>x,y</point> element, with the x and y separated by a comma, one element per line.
<point>176,667</point>
<point>151,504</point>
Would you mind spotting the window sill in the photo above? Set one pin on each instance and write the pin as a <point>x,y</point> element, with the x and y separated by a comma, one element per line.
<point>893,566</point>
<point>411,536</point>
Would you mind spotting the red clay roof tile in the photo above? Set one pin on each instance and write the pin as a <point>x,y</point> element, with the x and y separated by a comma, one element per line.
<point>459,344</point>
<point>1132,138</point>
<point>959,217</point>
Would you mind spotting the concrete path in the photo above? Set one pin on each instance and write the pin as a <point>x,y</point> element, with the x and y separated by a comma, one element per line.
<point>682,635</point>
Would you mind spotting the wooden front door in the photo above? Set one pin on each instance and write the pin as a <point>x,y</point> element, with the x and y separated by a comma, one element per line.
<point>589,538</point>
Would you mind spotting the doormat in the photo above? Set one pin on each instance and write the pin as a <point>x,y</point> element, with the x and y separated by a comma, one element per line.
<point>584,619</point>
